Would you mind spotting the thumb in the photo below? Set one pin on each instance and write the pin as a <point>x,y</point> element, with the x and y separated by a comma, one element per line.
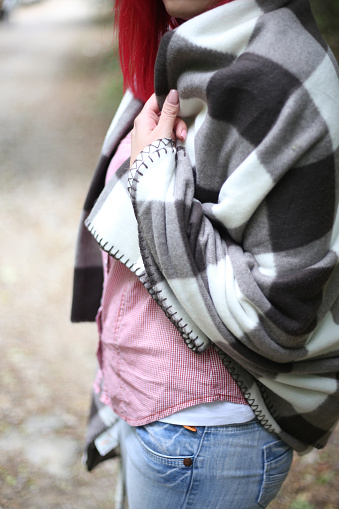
<point>169,114</point>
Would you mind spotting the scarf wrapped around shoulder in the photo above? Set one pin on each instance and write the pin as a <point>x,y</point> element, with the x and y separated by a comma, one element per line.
<point>235,233</point>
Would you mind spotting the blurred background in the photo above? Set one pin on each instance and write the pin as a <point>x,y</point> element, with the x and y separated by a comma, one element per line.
<point>60,85</point>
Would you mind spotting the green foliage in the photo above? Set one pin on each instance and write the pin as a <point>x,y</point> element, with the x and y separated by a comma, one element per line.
<point>110,89</point>
<point>11,481</point>
<point>326,13</point>
<point>301,504</point>
<point>325,477</point>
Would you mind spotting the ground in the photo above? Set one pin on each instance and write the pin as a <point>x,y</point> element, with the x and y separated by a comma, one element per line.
<point>59,89</point>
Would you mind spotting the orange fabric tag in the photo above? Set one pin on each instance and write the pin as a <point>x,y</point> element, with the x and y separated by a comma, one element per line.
<point>190,428</point>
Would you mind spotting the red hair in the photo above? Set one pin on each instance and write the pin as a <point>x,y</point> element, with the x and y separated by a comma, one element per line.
<point>141,25</point>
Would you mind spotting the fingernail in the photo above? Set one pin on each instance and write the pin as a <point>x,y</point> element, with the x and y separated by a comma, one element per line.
<point>173,97</point>
<point>183,134</point>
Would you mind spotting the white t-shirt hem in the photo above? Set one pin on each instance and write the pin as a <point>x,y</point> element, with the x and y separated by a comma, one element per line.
<point>216,413</point>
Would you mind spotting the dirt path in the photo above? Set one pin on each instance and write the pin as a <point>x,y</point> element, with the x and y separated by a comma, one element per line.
<point>54,65</point>
<point>56,102</point>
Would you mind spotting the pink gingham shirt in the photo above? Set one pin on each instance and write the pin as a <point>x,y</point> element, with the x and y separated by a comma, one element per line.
<point>146,370</point>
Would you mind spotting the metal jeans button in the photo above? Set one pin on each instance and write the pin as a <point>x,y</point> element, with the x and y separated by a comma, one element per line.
<point>188,462</point>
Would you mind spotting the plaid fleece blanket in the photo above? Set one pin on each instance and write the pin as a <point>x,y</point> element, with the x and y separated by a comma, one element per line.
<point>235,233</point>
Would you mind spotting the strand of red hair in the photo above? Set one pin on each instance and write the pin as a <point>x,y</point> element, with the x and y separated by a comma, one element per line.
<point>140,26</point>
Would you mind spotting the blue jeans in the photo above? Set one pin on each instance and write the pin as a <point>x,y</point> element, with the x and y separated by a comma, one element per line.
<point>238,466</point>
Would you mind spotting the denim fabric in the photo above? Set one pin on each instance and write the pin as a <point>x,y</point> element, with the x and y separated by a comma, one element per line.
<point>238,466</point>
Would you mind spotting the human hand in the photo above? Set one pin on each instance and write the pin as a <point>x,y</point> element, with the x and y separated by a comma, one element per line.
<point>151,124</point>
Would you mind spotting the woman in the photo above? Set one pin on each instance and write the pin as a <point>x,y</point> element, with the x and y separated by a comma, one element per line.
<point>221,230</point>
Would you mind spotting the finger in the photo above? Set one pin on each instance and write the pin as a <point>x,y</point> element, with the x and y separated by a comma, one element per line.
<point>169,114</point>
<point>151,106</point>
<point>180,129</point>
<point>148,118</point>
